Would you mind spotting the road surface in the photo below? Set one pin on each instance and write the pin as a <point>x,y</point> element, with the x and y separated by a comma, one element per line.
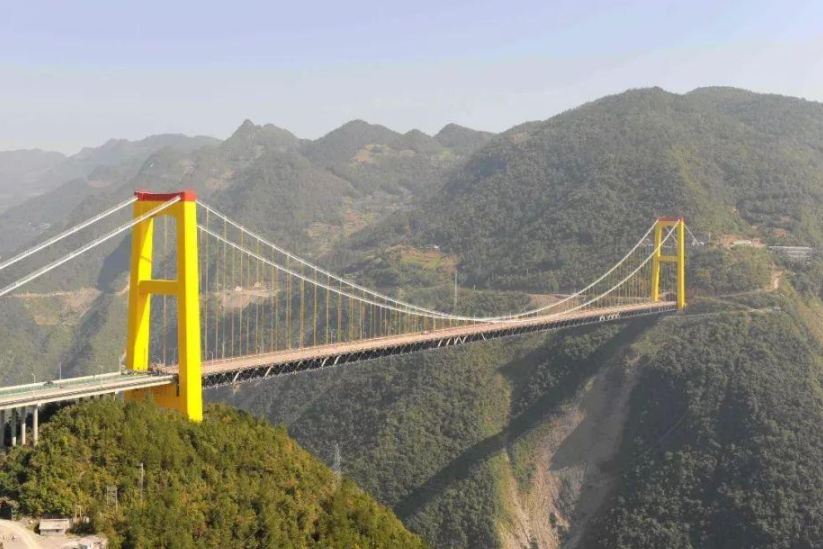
<point>26,539</point>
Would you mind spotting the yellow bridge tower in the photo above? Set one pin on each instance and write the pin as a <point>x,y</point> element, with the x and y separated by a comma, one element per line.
<point>186,396</point>
<point>679,258</point>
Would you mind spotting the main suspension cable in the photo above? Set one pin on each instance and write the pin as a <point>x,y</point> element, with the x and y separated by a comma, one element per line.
<point>86,247</point>
<point>77,228</point>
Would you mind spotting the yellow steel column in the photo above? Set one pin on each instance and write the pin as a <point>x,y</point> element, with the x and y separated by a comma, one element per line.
<point>188,312</point>
<point>658,251</point>
<point>186,396</point>
<point>681,264</point>
<point>679,259</point>
<point>137,341</point>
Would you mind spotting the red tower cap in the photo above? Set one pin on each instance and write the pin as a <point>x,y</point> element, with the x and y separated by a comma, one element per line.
<point>185,196</point>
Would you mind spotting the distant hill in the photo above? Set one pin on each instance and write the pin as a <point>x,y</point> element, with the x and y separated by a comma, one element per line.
<point>339,146</point>
<point>370,171</point>
<point>462,139</point>
<point>69,181</point>
<point>230,482</point>
<point>376,159</point>
<point>538,197</point>
<point>250,140</point>
<point>20,172</point>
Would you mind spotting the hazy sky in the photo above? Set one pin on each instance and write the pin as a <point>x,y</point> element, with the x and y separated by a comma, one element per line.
<point>76,73</point>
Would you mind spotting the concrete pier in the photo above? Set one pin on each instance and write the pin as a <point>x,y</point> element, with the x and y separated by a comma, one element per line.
<point>24,413</point>
<point>35,420</point>
<point>13,428</point>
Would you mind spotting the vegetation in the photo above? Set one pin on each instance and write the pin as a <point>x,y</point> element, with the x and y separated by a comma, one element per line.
<point>378,160</point>
<point>721,447</point>
<point>412,431</point>
<point>724,441</point>
<point>519,215</point>
<point>717,271</point>
<point>461,139</point>
<point>526,211</point>
<point>232,481</point>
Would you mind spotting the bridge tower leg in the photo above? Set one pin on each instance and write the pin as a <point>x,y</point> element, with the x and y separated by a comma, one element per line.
<point>679,258</point>
<point>187,395</point>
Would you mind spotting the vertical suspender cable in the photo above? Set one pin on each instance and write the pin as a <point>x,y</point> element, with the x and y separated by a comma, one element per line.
<point>288,306</point>
<point>221,311</point>
<point>242,296</point>
<point>164,259</point>
<point>257,288</point>
<point>328,295</point>
<point>302,305</point>
<point>314,321</point>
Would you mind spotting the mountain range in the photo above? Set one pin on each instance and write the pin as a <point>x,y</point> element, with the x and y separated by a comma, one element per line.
<point>696,430</point>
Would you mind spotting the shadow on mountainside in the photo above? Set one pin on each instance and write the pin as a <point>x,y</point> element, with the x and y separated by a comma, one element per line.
<point>518,426</point>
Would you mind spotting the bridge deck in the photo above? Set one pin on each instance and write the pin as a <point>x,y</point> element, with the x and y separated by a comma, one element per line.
<point>247,368</point>
<point>37,394</point>
<point>253,367</point>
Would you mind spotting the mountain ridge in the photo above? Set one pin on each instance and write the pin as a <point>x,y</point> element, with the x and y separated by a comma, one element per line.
<point>624,159</point>
<point>495,445</point>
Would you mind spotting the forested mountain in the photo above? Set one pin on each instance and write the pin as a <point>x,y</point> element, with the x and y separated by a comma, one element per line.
<point>376,159</point>
<point>526,209</point>
<point>697,430</point>
<point>461,139</point>
<point>231,481</point>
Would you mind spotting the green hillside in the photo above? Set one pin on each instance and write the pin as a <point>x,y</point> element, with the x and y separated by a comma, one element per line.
<point>724,441</point>
<point>378,160</point>
<point>542,196</point>
<point>461,139</point>
<point>653,433</point>
<point>231,481</point>
<point>658,432</point>
<point>641,434</point>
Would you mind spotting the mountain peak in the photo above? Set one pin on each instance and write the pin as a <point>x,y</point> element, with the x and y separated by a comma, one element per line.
<point>462,139</point>
<point>246,130</point>
<point>249,136</point>
<point>356,123</point>
<point>418,142</point>
<point>340,145</point>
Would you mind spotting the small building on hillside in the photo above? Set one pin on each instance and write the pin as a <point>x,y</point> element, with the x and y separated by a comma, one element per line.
<point>54,527</point>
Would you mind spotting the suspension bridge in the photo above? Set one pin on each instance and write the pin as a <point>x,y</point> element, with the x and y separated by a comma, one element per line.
<point>213,303</point>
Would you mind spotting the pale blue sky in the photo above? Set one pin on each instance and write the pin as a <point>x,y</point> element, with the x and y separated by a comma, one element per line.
<point>76,73</point>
